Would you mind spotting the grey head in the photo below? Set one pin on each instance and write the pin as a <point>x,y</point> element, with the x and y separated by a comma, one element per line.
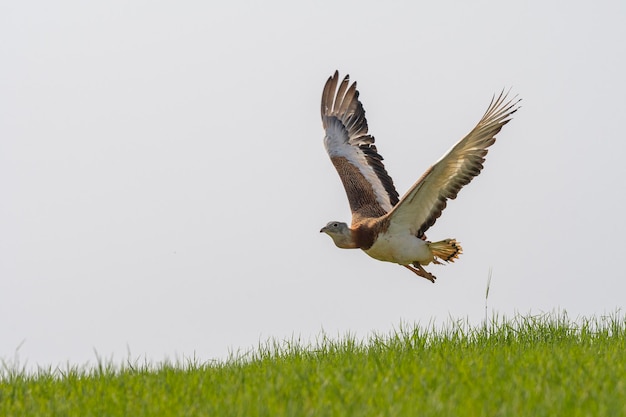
<point>340,233</point>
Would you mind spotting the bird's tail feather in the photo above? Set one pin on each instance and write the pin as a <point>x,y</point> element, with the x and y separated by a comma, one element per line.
<point>445,250</point>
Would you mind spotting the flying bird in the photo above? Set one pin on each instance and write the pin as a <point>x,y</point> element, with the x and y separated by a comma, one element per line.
<point>386,227</point>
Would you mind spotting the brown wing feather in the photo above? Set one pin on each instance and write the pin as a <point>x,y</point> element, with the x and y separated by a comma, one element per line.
<point>369,188</point>
<point>422,205</point>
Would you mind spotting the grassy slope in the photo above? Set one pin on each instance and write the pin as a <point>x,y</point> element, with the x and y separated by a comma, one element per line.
<point>531,366</point>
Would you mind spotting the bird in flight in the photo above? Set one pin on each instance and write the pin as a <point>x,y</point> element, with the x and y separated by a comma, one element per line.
<point>386,227</point>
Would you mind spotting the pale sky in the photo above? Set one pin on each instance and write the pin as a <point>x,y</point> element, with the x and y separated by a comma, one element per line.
<point>163,177</point>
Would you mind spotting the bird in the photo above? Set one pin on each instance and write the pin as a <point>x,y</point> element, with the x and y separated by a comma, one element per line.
<point>386,227</point>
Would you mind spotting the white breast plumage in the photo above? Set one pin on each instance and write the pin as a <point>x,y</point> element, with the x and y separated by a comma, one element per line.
<point>400,248</point>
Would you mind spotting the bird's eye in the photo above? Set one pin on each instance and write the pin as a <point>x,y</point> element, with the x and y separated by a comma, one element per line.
<point>335,224</point>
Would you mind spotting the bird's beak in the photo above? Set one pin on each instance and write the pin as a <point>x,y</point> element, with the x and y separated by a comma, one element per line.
<point>323,229</point>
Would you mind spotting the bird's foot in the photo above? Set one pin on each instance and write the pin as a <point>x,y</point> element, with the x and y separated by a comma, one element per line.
<point>418,270</point>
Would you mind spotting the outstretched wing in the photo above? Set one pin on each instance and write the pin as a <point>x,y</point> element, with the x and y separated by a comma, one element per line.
<point>422,205</point>
<point>370,190</point>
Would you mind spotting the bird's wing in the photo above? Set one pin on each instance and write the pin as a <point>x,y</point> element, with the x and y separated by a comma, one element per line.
<point>420,207</point>
<point>369,188</point>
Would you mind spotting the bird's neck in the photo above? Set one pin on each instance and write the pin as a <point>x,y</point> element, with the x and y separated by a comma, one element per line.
<point>345,241</point>
<point>364,232</point>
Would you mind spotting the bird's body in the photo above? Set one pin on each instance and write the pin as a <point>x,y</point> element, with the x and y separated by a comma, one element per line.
<point>383,226</point>
<point>400,247</point>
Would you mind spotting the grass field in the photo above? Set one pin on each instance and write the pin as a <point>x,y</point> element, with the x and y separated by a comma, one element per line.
<point>526,366</point>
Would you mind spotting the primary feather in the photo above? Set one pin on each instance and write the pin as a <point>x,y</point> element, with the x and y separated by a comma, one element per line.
<point>422,205</point>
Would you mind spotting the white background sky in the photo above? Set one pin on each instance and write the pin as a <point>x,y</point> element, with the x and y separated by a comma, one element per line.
<point>163,178</point>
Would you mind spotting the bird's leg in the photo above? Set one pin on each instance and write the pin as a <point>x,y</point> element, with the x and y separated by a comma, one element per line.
<point>421,272</point>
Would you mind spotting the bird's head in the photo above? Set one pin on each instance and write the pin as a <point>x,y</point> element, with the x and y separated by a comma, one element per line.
<point>340,233</point>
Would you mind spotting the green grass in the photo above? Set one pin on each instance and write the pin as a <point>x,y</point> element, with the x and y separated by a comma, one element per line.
<point>527,366</point>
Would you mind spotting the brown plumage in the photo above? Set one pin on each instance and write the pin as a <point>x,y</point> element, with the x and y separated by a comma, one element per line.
<point>385,227</point>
